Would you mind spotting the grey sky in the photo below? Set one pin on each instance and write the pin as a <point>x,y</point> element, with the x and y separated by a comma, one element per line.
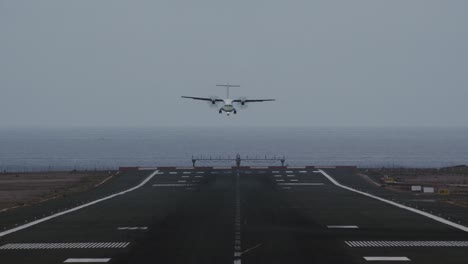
<point>338,63</point>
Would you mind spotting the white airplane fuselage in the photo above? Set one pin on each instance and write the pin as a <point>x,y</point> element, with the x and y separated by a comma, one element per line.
<point>227,107</point>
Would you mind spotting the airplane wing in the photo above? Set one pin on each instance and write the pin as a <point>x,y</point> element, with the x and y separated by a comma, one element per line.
<point>203,99</point>
<point>252,100</point>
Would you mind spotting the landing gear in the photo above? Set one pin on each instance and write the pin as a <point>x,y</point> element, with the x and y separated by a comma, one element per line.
<point>220,111</point>
<point>235,112</point>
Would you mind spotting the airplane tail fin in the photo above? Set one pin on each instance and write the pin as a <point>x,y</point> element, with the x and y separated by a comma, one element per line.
<point>227,87</point>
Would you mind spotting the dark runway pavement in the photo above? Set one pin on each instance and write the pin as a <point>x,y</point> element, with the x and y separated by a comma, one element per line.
<point>262,215</point>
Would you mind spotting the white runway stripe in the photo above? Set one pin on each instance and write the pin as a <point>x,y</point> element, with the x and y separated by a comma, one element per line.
<point>407,243</point>
<point>342,226</point>
<point>301,184</point>
<point>133,228</point>
<point>33,223</point>
<point>87,260</point>
<point>428,215</point>
<point>387,259</point>
<point>173,185</point>
<point>64,245</point>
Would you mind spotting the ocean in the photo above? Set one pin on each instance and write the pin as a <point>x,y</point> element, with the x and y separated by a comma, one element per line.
<point>34,149</point>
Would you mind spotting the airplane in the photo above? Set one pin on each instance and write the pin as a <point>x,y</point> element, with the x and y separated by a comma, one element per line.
<point>228,104</point>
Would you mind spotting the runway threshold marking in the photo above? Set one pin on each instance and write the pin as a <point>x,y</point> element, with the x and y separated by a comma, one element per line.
<point>387,259</point>
<point>33,223</point>
<point>87,260</point>
<point>78,245</point>
<point>428,215</point>
<point>407,243</point>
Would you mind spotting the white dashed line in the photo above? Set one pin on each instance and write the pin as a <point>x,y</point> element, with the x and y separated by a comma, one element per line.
<point>342,226</point>
<point>289,175</point>
<point>173,185</point>
<point>185,176</point>
<point>279,180</point>
<point>276,176</point>
<point>172,172</point>
<point>133,228</point>
<point>87,260</point>
<point>181,181</point>
<point>428,215</point>
<point>33,223</point>
<point>237,224</point>
<point>387,259</point>
<point>301,184</point>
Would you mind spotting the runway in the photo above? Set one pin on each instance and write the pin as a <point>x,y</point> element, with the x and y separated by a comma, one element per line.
<point>232,215</point>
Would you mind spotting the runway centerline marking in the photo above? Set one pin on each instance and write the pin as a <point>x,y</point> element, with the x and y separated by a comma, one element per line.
<point>428,215</point>
<point>387,259</point>
<point>173,185</point>
<point>87,260</point>
<point>301,184</point>
<point>133,228</point>
<point>342,227</point>
<point>237,224</point>
<point>33,223</point>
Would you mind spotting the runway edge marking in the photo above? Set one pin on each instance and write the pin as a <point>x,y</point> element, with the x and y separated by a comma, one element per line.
<point>428,215</point>
<point>33,223</point>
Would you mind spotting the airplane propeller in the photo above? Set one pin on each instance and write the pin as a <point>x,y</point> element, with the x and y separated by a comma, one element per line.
<point>242,104</point>
<point>213,103</point>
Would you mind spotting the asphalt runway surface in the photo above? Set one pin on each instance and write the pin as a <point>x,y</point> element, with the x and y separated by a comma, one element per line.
<point>261,215</point>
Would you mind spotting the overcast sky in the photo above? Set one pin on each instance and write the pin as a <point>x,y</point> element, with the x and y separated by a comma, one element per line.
<point>328,63</point>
